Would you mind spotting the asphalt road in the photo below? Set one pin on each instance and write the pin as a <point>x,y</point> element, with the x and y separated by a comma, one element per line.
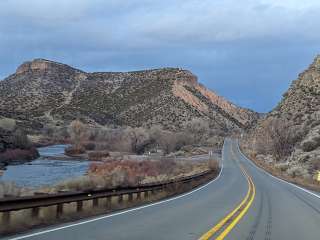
<point>278,211</point>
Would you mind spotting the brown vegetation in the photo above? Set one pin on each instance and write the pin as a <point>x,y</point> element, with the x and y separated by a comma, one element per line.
<point>123,173</point>
<point>11,155</point>
<point>136,140</point>
<point>15,146</point>
<point>277,138</point>
<point>77,132</point>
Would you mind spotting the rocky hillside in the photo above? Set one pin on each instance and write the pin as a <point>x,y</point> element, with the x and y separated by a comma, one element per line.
<point>43,92</point>
<point>295,125</point>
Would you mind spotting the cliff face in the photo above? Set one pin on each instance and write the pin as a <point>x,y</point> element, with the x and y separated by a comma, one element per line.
<point>44,92</point>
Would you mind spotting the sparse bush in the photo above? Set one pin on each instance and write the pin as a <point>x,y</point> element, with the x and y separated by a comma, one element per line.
<point>297,171</point>
<point>283,167</point>
<point>70,151</point>
<point>309,145</point>
<point>98,155</point>
<point>7,124</point>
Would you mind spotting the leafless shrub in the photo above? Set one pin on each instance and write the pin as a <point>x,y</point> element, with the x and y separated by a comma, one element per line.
<point>98,155</point>
<point>138,138</point>
<point>183,139</point>
<point>167,141</point>
<point>77,132</point>
<point>72,150</point>
<point>276,137</point>
<point>135,140</point>
<point>199,129</point>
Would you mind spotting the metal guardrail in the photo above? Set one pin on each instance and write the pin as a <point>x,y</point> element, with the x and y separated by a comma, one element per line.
<point>36,202</point>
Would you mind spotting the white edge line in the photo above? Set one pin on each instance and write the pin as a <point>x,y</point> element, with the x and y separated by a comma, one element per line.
<point>122,212</point>
<point>279,179</point>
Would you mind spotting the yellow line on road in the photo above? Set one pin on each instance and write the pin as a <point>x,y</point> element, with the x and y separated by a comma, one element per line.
<point>217,227</point>
<point>242,213</point>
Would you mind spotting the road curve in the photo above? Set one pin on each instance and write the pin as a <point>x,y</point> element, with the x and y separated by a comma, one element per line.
<point>272,209</point>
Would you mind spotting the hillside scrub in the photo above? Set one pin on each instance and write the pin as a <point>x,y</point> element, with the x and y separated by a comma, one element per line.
<point>296,174</point>
<point>137,140</point>
<point>122,98</point>
<point>275,137</point>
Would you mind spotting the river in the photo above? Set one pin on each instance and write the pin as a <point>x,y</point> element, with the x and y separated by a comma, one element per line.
<point>43,171</point>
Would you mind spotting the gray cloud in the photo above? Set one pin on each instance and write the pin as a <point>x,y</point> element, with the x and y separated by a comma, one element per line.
<point>241,50</point>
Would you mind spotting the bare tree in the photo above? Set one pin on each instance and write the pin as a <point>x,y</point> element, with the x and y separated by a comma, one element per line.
<point>277,138</point>
<point>139,139</point>
<point>167,141</point>
<point>199,128</point>
<point>77,132</point>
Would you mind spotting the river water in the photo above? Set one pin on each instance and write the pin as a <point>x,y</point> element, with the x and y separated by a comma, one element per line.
<point>43,171</point>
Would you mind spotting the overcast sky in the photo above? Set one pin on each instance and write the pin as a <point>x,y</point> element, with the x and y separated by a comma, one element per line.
<point>248,51</point>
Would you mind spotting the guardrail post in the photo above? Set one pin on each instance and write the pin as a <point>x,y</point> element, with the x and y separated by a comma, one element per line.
<point>35,212</point>
<point>138,195</point>
<point>165,187</point>
<point>130,197</point>
<point>95,202</point>
<point>108,202</point>
<point>6,218</point>
<point>79,206</point>
<point>59,210</point>
<point>120,198</point>
<point>146,194</point>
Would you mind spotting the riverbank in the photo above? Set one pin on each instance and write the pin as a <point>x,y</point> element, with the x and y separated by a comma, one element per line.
<point>15,148</point>
<point>17,156</point>
<point>51,167</point>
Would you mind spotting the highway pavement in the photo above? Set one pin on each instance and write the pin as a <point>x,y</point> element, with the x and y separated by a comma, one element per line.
<point>243,202</point>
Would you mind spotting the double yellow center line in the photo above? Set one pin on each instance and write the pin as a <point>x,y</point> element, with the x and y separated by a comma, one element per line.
<point>223,228</point>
